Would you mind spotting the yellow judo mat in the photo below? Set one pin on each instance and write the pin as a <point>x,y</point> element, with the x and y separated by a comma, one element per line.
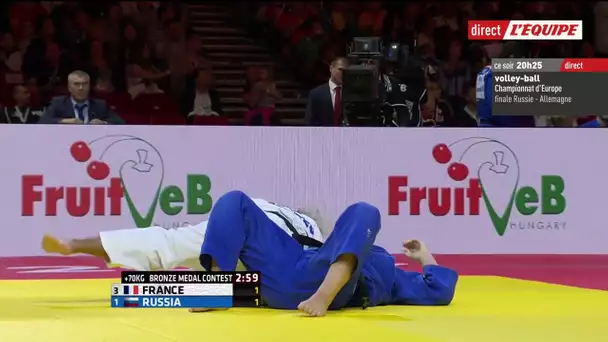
<point>488,309</point>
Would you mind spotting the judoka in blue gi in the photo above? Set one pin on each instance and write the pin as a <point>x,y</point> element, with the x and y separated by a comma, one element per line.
<point>348,270</point>
<point>484,89</point>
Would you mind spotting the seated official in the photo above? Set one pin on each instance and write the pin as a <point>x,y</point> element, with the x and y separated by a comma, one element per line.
<point>78,107</point>
<point>22,112</point>
<point>324,106</point>
<point>200,98</point>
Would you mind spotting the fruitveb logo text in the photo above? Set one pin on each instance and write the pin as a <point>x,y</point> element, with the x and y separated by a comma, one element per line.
<point>118,167</point>
<point>483,169</point>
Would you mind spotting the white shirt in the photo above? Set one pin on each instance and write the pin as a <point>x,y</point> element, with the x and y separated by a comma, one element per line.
<point>202,105</point>
<point>332,91</point>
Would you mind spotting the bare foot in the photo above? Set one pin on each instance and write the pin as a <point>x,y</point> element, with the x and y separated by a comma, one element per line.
<point>51,244</point>
<point>315,306</point>
<point>195,310</point>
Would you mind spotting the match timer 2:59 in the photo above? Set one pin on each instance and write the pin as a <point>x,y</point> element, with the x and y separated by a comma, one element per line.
<point>247,278</point>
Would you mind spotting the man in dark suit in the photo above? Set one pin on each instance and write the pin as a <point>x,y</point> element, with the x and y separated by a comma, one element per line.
<point>78,108</point>
<point>324,106</point>
<point>22,111</point>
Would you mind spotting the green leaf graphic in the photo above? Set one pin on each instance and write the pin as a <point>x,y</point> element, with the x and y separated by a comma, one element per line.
<point>146,220</point>
<point>500,222</point>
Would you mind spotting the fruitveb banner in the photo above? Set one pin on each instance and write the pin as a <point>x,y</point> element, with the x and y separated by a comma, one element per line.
<point>461,190</point>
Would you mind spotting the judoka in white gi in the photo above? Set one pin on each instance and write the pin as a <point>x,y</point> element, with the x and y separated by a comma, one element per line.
<point>157,248</point>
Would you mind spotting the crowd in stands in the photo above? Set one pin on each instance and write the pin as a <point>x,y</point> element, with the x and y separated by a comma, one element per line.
<point>139,57</point>
<point>312,34</point>
<point>142,59</point>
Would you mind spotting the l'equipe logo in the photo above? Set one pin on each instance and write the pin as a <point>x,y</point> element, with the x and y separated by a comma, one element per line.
<point>525,29</point>
<point>489,171</point>
<point>118,167</point>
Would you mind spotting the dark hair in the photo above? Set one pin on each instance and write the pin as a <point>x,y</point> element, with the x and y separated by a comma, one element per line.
<point>17,86</point>
<point>340,59</point>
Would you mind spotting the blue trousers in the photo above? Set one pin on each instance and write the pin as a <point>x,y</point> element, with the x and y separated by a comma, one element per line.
<point>239,229</point>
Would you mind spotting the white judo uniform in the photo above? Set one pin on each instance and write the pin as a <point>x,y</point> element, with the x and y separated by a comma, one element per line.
<point>157,248</point>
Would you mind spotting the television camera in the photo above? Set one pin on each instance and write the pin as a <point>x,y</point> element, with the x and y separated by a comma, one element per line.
<point>383,86</point>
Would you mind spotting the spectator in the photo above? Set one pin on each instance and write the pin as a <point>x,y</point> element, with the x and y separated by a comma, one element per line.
<point>52,75</point>
<point>435,111</point>
<point>7,46</point>
<point>324,106</point>
<point>264,97</point>
<point>173,51</point>
<point>77,39</point>
<point>454,71</point>
<point>78,107</point>
<point>129,41</point>
<point>130,9</point>
<point>587,50</point>
<point>200,98</point>
<point>371,19</point>
<point>100,71</point>
<point>466,113</point>
<point>601,28</point>
<point>142,76</point>
<point>194,58</point>
<point>426,31</point>
<point>36,58</point>
<point>252,77</point>
<point>113,23</point>
<point>22,111</point>
<point>11,59</point>
<point>26,11</point>
<point>25,35</point>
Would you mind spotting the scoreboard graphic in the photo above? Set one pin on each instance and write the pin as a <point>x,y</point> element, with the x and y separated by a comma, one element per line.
<point>187,289</point>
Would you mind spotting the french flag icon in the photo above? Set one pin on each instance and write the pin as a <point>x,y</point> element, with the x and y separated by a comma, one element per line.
<point>131,289</point>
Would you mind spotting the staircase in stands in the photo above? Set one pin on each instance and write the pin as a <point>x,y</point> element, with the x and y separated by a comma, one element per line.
<point>231,52</point>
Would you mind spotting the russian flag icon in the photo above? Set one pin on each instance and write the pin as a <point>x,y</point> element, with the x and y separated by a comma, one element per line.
<point>131,302</point>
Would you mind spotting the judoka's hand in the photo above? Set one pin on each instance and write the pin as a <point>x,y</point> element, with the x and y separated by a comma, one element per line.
<point>415,249</point>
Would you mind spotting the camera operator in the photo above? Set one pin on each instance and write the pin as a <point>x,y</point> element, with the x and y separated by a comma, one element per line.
<point>382,89</point>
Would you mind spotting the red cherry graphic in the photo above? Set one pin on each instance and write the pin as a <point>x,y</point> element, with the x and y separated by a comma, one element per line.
<point>442,153</point>
<point>80,151</point>
<point>98,170</point>
<point>458,171</point>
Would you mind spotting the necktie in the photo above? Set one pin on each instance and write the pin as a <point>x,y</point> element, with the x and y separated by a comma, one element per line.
<point>338,106</point>
<point>80,110</point>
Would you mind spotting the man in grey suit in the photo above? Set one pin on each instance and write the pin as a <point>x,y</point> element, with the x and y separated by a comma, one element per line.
<point>78,107</point>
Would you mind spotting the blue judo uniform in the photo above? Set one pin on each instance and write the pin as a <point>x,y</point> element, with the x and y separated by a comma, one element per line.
<point>238,229</point>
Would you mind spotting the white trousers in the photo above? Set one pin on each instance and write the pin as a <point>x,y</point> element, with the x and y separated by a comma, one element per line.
<point>156,248</point>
